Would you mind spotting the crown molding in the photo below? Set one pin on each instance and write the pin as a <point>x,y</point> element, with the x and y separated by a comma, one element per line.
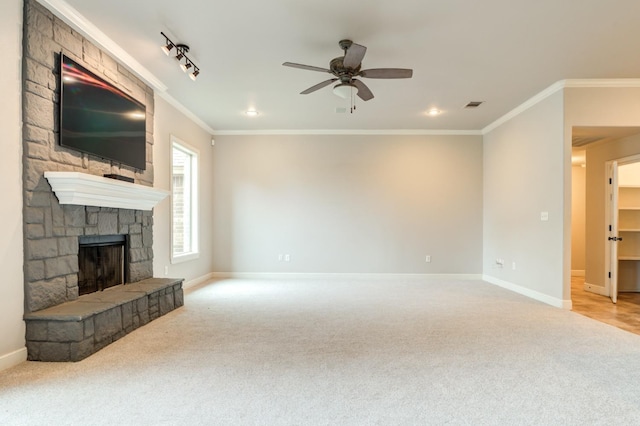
<point>71,16</point>
<point>525,106</point>
<point>394,132</point>
<point>187,112</point>
<point>534,100</point>
<point>561,85</point>
<point>602,83</point>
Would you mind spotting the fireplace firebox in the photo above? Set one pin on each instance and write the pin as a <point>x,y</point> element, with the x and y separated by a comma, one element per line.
<point>102,262</point>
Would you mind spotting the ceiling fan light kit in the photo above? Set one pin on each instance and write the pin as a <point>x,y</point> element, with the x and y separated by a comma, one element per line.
<point>343,90</point>
<point>346,68</point>
<point>181,53</point>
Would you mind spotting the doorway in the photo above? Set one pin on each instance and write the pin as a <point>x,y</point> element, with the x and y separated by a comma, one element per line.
<point>594,148</point>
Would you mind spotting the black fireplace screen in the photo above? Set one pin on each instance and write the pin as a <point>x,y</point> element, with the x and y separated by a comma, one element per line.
<point>101,261</point>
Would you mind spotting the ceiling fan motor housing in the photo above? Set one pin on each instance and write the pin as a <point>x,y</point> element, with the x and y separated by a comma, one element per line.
<point>339,70</point>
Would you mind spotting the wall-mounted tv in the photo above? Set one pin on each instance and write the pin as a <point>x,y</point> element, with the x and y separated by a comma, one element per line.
<point>99,119</point>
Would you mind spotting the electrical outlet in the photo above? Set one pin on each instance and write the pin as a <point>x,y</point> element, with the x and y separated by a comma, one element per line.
<point>544,216</point>
<point>279,258</point>
<point>287,258</point>
<point>427,259</point>
<point>513,265</point>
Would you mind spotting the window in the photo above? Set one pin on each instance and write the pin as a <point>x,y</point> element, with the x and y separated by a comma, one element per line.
<point>184,204</point>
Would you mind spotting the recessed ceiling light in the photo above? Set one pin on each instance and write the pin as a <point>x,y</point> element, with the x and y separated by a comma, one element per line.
<point>252,113</point>
<point>433,112</point>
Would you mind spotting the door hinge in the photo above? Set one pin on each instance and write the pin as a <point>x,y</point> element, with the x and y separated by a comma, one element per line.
<point>609,274</point>
<point>610,181</point>
<point>610,228</point>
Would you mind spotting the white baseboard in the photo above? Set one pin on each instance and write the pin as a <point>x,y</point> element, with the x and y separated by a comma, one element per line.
<point>597,289</point>
<point>13,358</point>
<point>577,272</point>
<point>549,300</point>
<point>340,276</point>
<point>197,281</point>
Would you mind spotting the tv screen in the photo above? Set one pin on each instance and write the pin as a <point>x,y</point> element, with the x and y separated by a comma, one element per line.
<point>99,119</point>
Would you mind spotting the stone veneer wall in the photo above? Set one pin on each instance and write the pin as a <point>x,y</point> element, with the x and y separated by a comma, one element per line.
<point>50,230</point>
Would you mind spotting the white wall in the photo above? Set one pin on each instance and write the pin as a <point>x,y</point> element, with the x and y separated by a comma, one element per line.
<point>629,174</point>
<point>12,337</point>
<point>348,204</point>
<point>523,177</point>
<point>578,191</point>
<point>169,121</point>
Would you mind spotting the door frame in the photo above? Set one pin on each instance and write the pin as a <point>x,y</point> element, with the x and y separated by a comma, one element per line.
<point>609,201</point>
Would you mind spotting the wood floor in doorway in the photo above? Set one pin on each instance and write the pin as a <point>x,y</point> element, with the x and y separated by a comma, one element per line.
<point>625,314</point>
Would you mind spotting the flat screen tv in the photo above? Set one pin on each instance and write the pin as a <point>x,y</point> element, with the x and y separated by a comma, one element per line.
<point>99,119</point>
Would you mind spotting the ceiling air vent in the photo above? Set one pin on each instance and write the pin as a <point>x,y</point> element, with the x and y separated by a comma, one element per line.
<point>586,140</point>
<point>473,104</point>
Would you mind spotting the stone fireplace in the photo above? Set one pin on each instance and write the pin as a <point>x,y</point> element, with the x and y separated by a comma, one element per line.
<point>115,293</point>
<point>62,322</point>
<point>52,266</point>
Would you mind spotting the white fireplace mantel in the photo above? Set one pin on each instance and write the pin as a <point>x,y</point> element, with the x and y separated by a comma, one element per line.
<point>91,190</point>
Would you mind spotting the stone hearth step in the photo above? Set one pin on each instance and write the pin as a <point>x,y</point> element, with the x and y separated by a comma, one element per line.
<point>74,330</point>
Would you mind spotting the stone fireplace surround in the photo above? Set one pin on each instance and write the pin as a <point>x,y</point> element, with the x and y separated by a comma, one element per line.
<point>60,325</point>
<point>74,330</point>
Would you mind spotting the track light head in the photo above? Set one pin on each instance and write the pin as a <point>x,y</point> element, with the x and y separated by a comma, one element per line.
<point>185,67</point>
<point>168,44</point>
<point>194,74</point>
<point>167,48</point>
<point>182,50</point>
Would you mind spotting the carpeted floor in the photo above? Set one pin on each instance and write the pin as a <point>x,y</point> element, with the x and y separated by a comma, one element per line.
<point>244,352</point>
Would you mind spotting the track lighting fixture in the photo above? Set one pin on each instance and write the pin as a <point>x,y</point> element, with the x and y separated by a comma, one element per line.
<point>181,53</point>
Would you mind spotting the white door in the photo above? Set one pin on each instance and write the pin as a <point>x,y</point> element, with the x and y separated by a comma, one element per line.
<point>613,232</point>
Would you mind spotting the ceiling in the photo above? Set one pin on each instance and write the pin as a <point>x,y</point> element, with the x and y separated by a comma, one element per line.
<point>501,52</point>
<point>585,135</point>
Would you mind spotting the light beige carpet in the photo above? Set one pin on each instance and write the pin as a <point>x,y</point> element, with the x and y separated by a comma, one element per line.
<point>244,352</point>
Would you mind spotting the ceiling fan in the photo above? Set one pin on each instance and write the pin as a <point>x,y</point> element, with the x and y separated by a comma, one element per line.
<point>346,68</point>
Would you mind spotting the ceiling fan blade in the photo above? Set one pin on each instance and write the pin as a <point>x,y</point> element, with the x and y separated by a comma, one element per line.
<point>318,86</point>
<point>305,67</point>
<point>363,91</point>
<point>353,57</point>
<point>387,73</point>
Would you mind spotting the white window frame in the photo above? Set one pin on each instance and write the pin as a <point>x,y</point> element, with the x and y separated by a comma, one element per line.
<point>195,160</point>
